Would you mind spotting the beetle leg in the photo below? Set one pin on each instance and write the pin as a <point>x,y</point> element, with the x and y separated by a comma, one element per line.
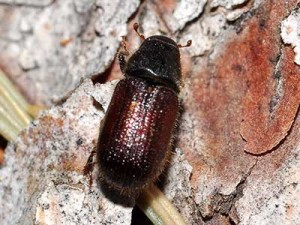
<point>124,45</point>
<point>123,54</point>
<point>89,167</point>
<point>136,27</point>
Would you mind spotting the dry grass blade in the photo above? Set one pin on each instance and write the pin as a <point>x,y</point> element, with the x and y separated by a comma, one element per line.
<point>158,208</point>
<point>14,110</point>
<point>13,100</point>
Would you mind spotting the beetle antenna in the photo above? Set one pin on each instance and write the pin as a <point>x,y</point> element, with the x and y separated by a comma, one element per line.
<point>188,44</point>
<point>136,27</point>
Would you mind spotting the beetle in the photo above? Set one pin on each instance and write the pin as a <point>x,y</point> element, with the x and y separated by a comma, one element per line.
<point>135,138</point>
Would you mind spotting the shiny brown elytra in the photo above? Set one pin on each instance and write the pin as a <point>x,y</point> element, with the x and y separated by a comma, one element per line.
<point>134,141</point>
